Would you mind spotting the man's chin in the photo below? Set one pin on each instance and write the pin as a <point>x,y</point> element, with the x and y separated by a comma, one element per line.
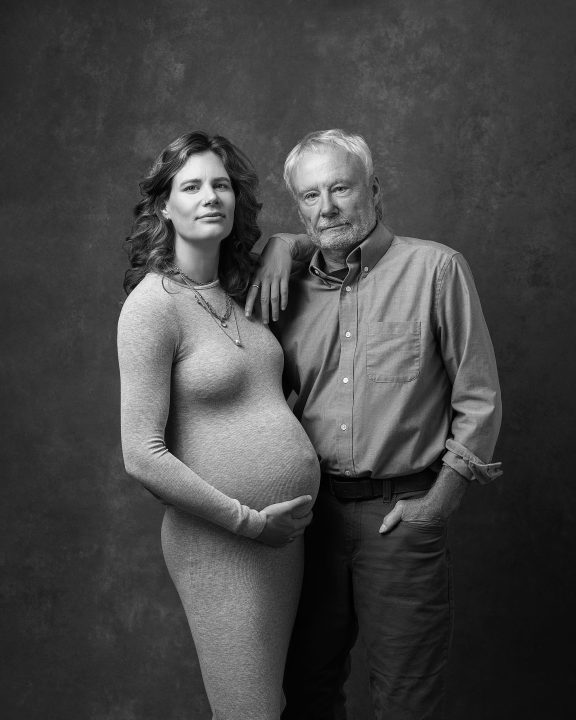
<point>335,238</point>
<point>331,232</point>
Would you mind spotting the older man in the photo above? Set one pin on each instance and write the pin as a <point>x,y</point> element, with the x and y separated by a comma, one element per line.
<point>389,356</point>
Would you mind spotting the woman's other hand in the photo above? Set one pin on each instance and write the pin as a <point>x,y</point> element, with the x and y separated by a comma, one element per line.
<point>286,520</point>
<point>271,279</point>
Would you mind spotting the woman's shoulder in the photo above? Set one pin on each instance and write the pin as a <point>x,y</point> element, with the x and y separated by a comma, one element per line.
<point>155,289</point>
<point>150,302</point>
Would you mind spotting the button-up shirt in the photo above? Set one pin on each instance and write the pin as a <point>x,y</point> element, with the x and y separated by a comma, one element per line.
<point>393,366</point>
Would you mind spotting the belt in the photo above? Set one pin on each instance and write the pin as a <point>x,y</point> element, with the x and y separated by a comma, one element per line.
<point>366,488</point>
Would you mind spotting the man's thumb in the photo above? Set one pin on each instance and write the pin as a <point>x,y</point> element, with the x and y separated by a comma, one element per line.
<point>392,519</point>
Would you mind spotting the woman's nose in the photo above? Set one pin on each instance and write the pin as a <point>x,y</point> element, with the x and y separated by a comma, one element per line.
<point>210,196</point>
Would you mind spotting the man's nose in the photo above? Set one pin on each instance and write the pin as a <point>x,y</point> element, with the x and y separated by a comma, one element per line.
<point>327,206</point>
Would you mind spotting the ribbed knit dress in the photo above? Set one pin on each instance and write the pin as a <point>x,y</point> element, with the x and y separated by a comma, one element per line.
<point>205,426</point>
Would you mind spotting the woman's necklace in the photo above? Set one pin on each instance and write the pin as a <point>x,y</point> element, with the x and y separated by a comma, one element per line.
<point>220,320</point>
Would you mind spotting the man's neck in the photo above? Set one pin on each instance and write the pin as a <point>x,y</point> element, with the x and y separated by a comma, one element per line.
<point>336,260</point>
<point>332,262</point>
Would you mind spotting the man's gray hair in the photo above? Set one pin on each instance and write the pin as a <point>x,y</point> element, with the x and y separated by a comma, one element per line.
<point>315,141</point>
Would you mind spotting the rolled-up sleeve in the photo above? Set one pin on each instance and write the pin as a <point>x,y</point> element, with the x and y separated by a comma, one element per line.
<point>470,363</point>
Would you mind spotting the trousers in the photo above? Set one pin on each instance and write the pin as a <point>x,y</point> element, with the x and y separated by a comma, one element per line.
<point>393,589</point>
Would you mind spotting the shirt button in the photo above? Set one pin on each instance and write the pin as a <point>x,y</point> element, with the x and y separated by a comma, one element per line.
<point>347,472</point>
<point>344,380</point>
<point>343,426</point>
<point>366,269</point>
<point>348,333</point>
<point>348,288</point>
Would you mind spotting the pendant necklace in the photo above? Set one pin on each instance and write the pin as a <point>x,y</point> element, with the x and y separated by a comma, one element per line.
<point>220,319</point>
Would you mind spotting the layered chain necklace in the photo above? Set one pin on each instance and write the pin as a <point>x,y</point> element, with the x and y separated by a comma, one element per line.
<point>220,319</point>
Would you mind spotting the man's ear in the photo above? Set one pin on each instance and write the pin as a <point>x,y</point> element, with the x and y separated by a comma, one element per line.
<point>376,191</point>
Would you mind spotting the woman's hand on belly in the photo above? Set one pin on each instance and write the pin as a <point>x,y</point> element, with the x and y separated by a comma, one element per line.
<point>285,521</point>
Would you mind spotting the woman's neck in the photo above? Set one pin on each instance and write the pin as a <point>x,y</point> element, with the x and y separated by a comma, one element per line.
<point>198,263</point>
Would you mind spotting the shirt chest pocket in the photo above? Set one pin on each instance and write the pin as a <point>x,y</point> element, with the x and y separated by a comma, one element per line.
<point>393,351</point>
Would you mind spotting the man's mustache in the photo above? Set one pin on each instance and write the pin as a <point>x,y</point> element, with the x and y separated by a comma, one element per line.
<point>341,221</point>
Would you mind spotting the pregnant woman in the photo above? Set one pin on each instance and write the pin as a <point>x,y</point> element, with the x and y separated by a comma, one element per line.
<point>205,426</point>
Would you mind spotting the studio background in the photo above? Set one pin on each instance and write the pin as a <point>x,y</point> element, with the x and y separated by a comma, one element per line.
<point>468,106</point>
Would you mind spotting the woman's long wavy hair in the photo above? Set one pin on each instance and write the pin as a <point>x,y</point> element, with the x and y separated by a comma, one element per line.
<point>151,242</point>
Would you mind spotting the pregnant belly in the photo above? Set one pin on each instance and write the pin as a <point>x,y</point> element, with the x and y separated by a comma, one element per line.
<point>267,460</point>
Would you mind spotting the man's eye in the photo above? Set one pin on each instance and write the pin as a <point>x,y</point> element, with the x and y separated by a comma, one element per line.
<point>310,196</point>
<point>340,188</point>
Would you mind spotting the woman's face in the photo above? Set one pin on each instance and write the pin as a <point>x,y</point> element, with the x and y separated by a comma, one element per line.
<point>201,201</point>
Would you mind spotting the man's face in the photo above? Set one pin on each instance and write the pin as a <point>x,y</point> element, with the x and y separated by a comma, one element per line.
<point>336,201</point>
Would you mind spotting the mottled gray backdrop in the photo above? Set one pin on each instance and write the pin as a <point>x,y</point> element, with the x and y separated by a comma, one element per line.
<point>469,106</point>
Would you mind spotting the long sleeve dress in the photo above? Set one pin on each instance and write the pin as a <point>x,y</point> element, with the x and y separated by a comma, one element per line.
<point>205,426</point>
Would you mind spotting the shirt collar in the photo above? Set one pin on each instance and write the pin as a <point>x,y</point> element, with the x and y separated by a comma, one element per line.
<point>364,256</point>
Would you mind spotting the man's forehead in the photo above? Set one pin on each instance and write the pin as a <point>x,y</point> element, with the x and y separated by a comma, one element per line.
<point>325,164</point>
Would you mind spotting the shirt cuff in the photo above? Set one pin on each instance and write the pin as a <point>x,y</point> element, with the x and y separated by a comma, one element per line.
<point>468,465</point>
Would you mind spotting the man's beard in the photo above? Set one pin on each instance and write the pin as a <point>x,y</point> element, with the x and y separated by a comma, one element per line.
<point>345,237</point>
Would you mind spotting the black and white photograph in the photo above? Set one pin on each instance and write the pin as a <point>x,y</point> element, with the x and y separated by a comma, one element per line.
<point>288,319</point>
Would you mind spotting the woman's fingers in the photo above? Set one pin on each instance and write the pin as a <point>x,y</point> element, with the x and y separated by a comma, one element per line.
<point>273,292</point>
<point>284,282</point>
<point>302,523</point>
<point>265,301</point>
<point>273,297</point>
<point>251,297</point>
<point>273,277</point>
<point>299,532</point>
<point>283,521</point>
<point>297,502</point>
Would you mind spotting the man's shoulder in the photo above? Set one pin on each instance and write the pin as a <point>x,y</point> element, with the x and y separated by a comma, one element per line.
<point>424,248</point>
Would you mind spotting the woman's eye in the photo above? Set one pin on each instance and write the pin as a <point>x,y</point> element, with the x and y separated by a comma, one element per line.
<point>191,188</point>
<point>223,186</point>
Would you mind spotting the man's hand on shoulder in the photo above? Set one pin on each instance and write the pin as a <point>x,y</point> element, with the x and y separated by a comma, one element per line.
<point>435,507</point>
